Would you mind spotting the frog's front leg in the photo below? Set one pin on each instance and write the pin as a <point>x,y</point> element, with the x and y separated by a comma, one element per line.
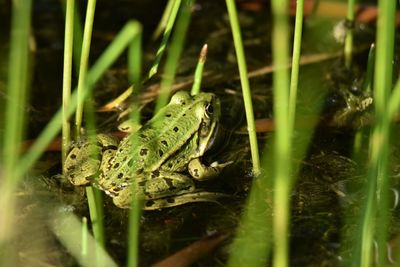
<point>201,172</point>
<point>83,162</point>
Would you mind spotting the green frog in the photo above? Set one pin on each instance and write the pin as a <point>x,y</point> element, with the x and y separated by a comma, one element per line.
<point>153,163</point>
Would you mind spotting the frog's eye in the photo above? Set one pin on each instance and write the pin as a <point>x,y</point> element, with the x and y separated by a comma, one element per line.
<point>209,109</point>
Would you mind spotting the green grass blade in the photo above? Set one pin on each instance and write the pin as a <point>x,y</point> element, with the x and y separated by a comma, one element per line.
<point>17,87</point>
<point>237,39</point>
<point>380,139</point>
<point>174,53</point>
<point>164,19</point>
<point>95,201</point>
<point>394,102</point>
<point>67,75</point>
<point>77,32</point>
<point>135,66</point>
<point>68,230</point>
<point>282,147</point>
<point>84,237</point>
<point>198,74</point>
<point>367,86</point>
<point>164,41</point>
<point>87,36</point>
<point>348,42</point>
<point>134,232</point>
<point>382,89</point>
<point>294,77</point>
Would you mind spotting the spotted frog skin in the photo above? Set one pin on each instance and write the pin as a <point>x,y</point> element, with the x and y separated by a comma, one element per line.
<point>153,163</point>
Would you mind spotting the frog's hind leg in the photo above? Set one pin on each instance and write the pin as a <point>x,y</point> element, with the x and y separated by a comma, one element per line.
<point>83,161</point>
<point>172,201</point>
<point>159,184</point>
<point>163,184</point>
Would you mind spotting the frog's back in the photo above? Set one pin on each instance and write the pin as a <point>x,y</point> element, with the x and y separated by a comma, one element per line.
<point>147,149</point>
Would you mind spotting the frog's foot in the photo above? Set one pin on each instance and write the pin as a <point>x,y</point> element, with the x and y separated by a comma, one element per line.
<point>83,161</point>
<point>154,204</point>
<point>201,172</point>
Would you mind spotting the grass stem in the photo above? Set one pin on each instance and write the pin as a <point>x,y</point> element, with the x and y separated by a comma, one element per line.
<point>198,74</point>
<point>135,67</point>
<point>164,19</point>
<point>294,77</point>
<point>87,36</point>
<point>67,75</point>
<point>167,32</point>
<point>14,120</point>
<point>282,146</point>
<point>174,53</point>
<point>237,39</point>
<point>348,42</point>
<point>377,209</point>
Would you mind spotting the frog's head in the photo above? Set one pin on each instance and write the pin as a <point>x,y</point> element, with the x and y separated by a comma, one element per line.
<point>202,113</point>
<point>208,110</point>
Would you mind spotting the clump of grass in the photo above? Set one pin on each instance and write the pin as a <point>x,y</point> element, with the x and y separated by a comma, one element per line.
<point>348,42</point>
<point>237,39</point>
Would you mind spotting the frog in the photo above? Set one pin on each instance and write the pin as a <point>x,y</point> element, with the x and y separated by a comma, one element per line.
<point>353,109</point>
<point>157,163</point>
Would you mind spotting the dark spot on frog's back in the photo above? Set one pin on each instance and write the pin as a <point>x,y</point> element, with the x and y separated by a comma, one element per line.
<point>176,129</point>
<point>70,168</point>
<point>160,152</point>
<point>120,175</point>
<point>109,147</point>
<point>143,151</point>
<point>116,165</point>
<point>89,178</point>
<point>164,143</point>
<point>73,156</point>
<point>149,203</point>
<point>170,183</point>
<point>155,174</point>
<point>168,115</point>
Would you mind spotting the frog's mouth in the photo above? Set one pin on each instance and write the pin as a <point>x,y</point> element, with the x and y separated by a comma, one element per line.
<point>213,137</point>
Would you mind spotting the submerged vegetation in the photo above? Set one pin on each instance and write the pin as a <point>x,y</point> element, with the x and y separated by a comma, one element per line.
<point>305,138</point>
